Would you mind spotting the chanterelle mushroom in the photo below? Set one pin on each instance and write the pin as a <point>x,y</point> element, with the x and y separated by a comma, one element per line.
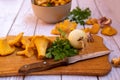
<point>116,62</point>
<point>41,43</point>
<point>5,48</point>
<point>28,52</point>
<point>16,40</point>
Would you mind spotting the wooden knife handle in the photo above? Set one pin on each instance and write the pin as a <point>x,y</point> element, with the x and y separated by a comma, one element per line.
<point>40,66</point>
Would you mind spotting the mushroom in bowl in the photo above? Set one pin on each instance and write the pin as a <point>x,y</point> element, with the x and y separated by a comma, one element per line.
<point>51,12</point>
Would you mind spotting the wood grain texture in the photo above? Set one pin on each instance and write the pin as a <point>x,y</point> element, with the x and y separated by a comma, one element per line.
<point>107,12</point>
<point>25,22</point>
<point>14,62</point>
<point>76,77</point>
<point>8,14</point>
<point>83,4</point>
<point>91,5</point>
<point>12,78</point>
<point>45,29</point>
<point>43,77</point>
<point>112,42</point>
<point>113,7</point>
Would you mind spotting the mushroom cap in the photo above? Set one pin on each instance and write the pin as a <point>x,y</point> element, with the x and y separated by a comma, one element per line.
<point>5,48</point>
<point>41,43</point>
<point>16,40</point>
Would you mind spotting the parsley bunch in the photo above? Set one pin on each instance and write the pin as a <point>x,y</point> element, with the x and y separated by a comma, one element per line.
<point>78,15</point>
<point>60,49</point>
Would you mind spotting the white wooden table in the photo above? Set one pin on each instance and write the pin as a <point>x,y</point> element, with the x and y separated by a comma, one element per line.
<point>17,16</point>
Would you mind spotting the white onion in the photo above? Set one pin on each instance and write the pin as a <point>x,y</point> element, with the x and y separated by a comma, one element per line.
<point>77,38</point>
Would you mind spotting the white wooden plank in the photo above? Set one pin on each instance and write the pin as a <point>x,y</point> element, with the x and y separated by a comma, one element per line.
<point>83,4</point>
<point>71,77</point>
<point>43,77</point>
<point>115,72</point>
<point>74,4</point>
<point>8,13</point>
<point>106,11</point>
<point>114,7</point>
<point>11,78</point>
<point>25,22</point>
<point>112,42</point>
<point>117,37</point>
<point>43,29</point>
<point>89,4</point>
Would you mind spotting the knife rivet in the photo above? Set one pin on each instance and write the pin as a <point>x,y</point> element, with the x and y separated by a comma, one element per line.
<point>44,62</point>
<point>25,66</point>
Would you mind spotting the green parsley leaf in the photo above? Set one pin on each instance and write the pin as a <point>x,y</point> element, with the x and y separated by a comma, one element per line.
<point>62,33</point>
<point>78,15</point>
<point>49,4</point>
<point>61,49</point>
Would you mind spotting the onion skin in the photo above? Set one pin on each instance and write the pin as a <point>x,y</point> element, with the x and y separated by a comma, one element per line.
<point>77,38</point>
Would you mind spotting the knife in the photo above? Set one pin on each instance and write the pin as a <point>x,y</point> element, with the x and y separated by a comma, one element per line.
<point>48,64</point>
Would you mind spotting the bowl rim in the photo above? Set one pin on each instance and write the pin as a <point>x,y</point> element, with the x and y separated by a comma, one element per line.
<point>32,1</point>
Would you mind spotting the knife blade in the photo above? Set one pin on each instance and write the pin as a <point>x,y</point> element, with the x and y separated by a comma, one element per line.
<point>48,64</point>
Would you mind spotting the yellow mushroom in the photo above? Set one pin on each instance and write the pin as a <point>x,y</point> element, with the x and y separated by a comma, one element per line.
<point>91,21</point>
<point>25,42</point>
<point>109,31</point>
<point>95,28</point>
<point>16,41</point>
<point>66,26</point>
<point>28,52</point>
<point>5,48</point>
<point>41,43</point>
<point>86,30</point>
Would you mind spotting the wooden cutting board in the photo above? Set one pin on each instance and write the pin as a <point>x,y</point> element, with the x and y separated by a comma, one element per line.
<point>9,65</point>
